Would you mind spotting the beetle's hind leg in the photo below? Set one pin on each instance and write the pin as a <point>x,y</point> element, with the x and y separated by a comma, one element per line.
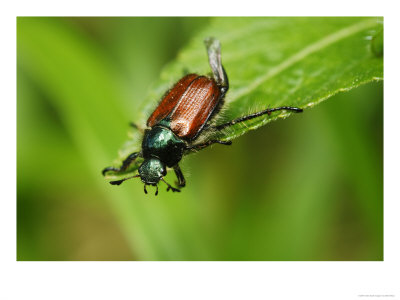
<point>125,164</point>
<point>255,115</point>
<point>208,143</point>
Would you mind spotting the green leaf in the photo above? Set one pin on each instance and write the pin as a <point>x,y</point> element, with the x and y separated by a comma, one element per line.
<point>274,62</point>
<point>239,204</point>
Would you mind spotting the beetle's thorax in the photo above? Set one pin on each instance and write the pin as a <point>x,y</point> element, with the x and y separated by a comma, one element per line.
<point>160,142</point>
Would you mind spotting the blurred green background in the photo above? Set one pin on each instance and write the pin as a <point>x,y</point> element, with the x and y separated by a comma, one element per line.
<point>306,188</point>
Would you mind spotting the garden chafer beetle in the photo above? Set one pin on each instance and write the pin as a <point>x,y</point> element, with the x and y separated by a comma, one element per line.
<point>182,116</point>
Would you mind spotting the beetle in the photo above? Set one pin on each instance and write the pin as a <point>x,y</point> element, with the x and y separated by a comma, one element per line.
<point>182,116</point>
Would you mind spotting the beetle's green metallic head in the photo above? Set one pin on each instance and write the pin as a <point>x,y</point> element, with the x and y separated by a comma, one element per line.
<point>152,170</point>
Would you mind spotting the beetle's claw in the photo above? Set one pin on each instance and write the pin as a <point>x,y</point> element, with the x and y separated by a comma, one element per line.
<point>105,170</point>
<point>116,182</point>
<point>173,189</point>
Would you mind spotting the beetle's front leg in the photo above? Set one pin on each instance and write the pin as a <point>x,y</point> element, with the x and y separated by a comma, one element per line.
<point>125,164</point>
<point>179,175</point>
<point>170,187</point>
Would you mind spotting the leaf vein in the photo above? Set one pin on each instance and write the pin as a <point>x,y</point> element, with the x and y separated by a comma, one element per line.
<point>319,45</point>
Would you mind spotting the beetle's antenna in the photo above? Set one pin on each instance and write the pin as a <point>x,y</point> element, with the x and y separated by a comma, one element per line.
<point>118,182</point>
<point>170,187</point>
<point>145,191</point>
<point>156,190</point>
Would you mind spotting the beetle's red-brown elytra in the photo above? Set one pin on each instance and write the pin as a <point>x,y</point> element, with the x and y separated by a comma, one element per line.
<point>170,100</point>
<point>188,105</point>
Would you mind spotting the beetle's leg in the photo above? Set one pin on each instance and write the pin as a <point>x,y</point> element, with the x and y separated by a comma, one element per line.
<point>214,57</point>
<point>170,187</point>
<point>255,115</point>
<point>185,72</point>
<point>179,175</point>
<point>125,164</point>
<point>136,126</point>
<point>118,182</point>
<point>208,143</point>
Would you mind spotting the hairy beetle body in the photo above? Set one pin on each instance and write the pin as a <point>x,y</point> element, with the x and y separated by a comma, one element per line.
<point>182,115</point>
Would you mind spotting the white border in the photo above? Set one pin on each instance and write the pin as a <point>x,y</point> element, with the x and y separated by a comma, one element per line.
<point>196,280</point>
